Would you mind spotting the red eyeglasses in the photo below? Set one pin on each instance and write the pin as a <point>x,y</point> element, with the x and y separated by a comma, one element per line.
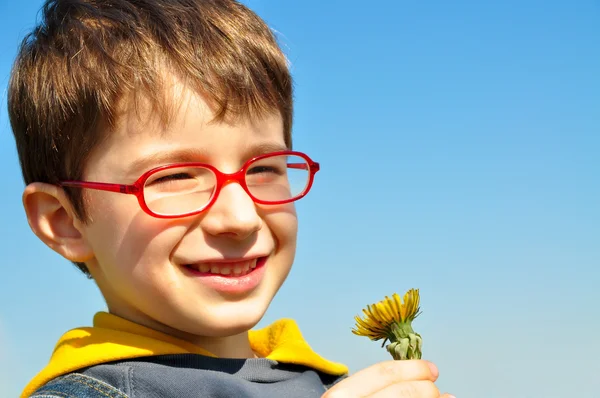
<point>184,189</point>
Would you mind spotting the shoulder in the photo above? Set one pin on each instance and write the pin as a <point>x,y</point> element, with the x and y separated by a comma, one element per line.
<point>76,385</point>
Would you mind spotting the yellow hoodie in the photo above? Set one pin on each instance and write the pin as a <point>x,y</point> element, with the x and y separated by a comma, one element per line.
<point>113,338</point>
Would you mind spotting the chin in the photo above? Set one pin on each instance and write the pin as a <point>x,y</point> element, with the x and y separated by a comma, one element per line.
<point>224,322</point>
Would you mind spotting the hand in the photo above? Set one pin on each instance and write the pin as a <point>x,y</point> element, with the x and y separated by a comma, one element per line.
<point>410,379</point>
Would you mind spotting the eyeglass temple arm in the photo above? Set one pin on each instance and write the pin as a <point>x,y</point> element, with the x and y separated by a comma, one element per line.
<point>102,186</point>
<point>303,166</point>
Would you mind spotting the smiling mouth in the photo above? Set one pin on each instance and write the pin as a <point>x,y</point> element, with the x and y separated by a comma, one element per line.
<point>231,269</point>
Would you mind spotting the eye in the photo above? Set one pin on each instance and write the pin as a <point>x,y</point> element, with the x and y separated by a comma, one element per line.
<point>176,180</point>
<point>263,169</point>
<point>171,177</point>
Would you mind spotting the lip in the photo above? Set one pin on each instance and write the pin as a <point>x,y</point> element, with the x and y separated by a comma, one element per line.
<point>231,284</point>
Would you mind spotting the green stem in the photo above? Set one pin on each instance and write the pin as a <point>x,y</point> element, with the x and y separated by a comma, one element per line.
<point>404,342</point>
<point>401,331</point>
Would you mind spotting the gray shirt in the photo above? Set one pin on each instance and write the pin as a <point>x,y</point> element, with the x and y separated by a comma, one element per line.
<point>191,375</point>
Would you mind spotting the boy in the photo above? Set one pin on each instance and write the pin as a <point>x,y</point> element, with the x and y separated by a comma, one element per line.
<point>186,105</point>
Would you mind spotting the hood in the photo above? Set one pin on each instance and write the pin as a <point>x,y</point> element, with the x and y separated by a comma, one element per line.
<point>113,338</point>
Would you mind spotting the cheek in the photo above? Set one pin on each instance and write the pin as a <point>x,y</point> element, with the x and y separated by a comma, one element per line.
<point>283,224</point>
<point>123,236</point>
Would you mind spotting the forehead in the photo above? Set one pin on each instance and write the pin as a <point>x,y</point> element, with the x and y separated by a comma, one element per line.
<point>183,123</point>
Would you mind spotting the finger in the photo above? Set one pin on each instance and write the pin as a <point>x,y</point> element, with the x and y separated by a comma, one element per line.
<point>376,377</point>
<point>446,395</point>
<point>421,389</point>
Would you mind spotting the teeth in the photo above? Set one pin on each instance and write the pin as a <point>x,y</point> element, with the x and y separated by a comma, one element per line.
<point>204,268</point>
<point>221,269</point>
<point>225,271</point>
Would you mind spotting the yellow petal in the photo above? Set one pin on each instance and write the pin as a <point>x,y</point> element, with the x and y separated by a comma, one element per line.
<point>395,306</point>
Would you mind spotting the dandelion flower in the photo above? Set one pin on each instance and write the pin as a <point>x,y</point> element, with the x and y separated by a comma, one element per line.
<point>390,319</point>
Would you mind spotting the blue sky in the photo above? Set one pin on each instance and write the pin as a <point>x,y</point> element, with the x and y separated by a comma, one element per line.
<point>459,148</point>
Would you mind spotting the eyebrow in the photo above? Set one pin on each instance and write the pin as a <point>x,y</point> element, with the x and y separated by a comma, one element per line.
<point>261,149</point>
<point>160,158</point>
<point>195,155</point>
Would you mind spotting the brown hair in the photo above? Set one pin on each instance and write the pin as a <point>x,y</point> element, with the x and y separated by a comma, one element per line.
<point>85,56</point>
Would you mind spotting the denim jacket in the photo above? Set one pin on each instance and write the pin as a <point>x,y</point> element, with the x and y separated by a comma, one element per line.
<point>76,385</point>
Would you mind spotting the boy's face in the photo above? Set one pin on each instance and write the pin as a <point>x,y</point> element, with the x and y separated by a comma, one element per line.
<point>140,263</point>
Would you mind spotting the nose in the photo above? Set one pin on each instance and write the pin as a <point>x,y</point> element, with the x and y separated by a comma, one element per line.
<point>233,214</point>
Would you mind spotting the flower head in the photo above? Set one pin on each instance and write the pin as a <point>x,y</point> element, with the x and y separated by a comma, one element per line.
<point>390,319</point>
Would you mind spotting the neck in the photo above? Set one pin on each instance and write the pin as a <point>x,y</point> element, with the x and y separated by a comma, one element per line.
<point>232,346</point>
<point>237,346</point>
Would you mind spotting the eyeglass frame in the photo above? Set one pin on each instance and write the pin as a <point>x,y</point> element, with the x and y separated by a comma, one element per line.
<point>222,179</point>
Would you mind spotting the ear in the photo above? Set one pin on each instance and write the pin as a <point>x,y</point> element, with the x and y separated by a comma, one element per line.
<point>52,219</point>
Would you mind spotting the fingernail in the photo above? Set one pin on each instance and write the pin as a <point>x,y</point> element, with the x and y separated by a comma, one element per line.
<point>434,370</point>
